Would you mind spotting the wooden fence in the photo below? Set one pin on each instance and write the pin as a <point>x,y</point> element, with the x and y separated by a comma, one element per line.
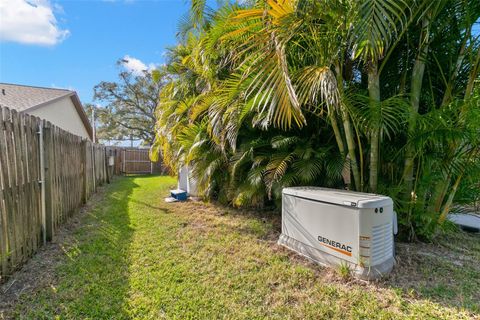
<point>41,161</point>
<point>136,162</point>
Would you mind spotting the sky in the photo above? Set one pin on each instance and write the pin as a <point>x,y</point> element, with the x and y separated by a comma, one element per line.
<point>75,44</point>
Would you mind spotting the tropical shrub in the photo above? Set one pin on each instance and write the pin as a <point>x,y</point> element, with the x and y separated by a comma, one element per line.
<point>371,95</point>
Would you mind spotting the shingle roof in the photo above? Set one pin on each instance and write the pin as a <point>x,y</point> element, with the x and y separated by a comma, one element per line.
<point>22,98</point>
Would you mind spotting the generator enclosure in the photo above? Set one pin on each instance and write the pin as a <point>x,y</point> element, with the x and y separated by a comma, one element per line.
<point>334,227</point>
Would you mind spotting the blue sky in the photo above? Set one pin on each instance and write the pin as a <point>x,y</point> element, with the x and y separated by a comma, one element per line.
<point>75,44</point>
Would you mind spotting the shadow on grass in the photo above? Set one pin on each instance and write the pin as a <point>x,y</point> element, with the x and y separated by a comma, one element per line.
<point>93,281</point>
<point>143,203</point>
<point>446,272</point>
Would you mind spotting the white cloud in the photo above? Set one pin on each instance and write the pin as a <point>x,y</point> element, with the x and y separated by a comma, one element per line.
<point>30,22</point>
<point>136,66</point>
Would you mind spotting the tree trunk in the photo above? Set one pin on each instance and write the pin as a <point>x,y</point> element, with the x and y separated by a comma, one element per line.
<point>351,150</point>
<point>374,93</point>
<point>415,91</point>
<point>448,204</point>
<point>440,193</point>
<point>349,135</point>
<point>337,133</point>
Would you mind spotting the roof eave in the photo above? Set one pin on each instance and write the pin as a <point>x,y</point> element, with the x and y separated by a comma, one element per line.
<point>83,115</point>
<point>78,106</point>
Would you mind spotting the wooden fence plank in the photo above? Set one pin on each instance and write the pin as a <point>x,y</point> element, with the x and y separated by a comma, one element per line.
<point>5,205</point>
<point>22,201</point>
<point>49,178</point>
<point>12,211</point>
<point>73,170</point>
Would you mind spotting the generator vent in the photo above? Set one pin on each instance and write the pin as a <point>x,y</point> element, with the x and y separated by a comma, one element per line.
<point>382,242</point>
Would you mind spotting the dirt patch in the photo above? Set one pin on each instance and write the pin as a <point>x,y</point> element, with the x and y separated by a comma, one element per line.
<point>446,271</point>
<point>39,271</point>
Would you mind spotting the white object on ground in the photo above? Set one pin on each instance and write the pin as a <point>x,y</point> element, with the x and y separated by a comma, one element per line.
<point>466,220</point>
<point>170,199</point>
<point>186,181</point>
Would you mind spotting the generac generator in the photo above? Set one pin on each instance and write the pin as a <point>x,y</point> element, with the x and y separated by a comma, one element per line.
<point>335,227</point>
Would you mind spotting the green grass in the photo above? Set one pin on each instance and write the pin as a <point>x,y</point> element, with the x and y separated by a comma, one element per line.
<point>136,257</point>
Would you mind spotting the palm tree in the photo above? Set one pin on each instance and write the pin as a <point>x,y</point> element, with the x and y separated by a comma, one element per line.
<point>273,93</point>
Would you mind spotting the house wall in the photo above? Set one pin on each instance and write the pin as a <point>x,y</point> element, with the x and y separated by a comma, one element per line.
<point>63,114</point>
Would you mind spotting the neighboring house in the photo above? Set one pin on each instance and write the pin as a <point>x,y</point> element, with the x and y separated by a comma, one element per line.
<point>59,106</point>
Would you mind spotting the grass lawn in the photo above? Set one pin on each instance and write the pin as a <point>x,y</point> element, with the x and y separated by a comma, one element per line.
<point>135,256</point>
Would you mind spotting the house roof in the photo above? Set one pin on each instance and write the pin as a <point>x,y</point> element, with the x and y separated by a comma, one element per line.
<point>27,98</point>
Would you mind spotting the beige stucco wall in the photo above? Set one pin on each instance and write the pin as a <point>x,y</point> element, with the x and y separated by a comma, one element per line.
<point>63,114</point>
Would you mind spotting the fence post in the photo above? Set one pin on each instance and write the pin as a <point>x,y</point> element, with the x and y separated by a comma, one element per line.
<point>123,160</point>
<point>107,165</point>
<point>94,174</point>
<point>42,182</point>
<point>85,171</point>
<point>49,177</point>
